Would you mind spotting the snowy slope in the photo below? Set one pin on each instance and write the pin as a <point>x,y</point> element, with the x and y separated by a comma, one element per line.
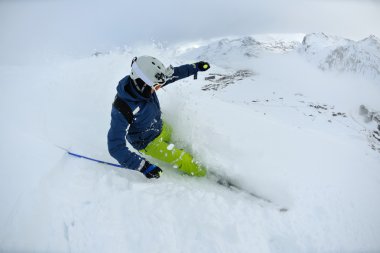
<point>270,121</point>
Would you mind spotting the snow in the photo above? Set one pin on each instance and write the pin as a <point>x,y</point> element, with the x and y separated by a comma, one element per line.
<point>285,129</point>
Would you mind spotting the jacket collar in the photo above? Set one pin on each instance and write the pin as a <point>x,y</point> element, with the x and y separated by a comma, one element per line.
<point>131,89</point>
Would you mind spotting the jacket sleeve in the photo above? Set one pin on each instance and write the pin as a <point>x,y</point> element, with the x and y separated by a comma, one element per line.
<point>183,71</point>
<point>117,143</point>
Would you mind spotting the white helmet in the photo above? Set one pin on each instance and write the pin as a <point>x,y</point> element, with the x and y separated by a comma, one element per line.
<point>150,70</point>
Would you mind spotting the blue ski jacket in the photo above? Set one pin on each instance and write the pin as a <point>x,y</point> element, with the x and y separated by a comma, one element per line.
<point>146,124</point>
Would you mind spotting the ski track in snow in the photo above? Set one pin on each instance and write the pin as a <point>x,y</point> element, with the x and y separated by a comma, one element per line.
<point>287,131</point>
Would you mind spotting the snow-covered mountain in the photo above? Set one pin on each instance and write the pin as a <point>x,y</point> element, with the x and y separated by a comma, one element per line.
<point>247,46</point>
<point>326,51</point>
<point>237,48</point>
<point>268,118</point>
<point>334,53</point>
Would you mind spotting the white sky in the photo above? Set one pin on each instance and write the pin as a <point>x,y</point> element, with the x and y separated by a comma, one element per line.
<point>29,27</point>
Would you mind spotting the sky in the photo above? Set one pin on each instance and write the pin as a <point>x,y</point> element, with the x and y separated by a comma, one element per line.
<point>31,29</point>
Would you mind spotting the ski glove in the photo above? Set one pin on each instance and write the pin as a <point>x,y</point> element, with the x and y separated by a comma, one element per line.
<point>151,170</point>
<point>202,65</point>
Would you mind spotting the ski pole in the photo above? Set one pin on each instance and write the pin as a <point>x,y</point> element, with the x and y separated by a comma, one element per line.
<point>91,159</point>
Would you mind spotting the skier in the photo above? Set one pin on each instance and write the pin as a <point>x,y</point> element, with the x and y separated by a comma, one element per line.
<point>136,117</point>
